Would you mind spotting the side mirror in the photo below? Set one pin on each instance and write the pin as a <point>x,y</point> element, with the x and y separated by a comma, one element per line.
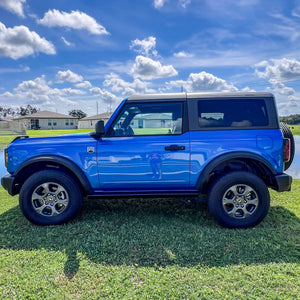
<point>99,128</point>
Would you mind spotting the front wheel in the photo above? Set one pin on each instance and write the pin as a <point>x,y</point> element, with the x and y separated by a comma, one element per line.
<point>238,200</point>
<point>50,197</point>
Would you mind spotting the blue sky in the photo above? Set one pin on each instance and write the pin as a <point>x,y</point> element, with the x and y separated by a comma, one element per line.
<point>63,55</point>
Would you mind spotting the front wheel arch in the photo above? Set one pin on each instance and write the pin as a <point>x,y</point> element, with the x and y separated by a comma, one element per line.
<point>39,163</point>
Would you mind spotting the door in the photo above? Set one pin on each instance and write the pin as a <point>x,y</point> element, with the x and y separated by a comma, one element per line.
<point>154,157</point>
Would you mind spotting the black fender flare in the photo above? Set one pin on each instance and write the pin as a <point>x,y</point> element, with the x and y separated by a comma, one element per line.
<point>66,163</point>
<point>204,176</point>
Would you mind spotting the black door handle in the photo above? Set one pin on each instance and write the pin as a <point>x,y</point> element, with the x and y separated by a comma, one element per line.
<point>174,148</point>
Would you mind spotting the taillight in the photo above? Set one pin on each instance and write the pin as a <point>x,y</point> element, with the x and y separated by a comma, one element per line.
<point>6,157</point>
<point>286,150</point>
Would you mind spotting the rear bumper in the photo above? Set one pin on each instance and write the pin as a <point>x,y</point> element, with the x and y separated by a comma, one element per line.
<point>283,182</point>
<point>9,183</point>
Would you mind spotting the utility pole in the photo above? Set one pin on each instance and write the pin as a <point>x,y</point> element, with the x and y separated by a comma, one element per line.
<point>97,107</point>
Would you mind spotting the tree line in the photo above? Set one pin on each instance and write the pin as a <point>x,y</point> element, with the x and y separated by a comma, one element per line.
<point>18,111</point>
<point>291,119</point>
<point>28,110</point>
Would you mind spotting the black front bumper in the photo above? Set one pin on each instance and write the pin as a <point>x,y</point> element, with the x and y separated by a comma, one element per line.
<point>283,182</point>
<point>10,184</point>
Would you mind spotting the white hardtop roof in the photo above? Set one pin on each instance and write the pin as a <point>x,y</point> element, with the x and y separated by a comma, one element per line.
<point>199,95</point>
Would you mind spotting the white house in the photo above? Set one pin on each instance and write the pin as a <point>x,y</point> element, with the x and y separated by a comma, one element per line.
<point>90,122</point>
<point>49,120</point>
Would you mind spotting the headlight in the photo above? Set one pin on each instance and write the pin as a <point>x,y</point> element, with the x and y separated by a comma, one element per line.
<point>6,157</point>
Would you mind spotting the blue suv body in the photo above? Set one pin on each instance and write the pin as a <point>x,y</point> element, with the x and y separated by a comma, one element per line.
<point>226,147</point>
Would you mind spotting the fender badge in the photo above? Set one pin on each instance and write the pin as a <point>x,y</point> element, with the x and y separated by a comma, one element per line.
<point>90,149</point>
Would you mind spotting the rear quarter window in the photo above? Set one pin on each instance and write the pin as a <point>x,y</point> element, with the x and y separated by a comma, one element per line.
<point>233,113</point>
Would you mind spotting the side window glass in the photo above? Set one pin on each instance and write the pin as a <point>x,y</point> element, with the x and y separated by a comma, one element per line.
<point>235,113</point>
<point>148,119</point>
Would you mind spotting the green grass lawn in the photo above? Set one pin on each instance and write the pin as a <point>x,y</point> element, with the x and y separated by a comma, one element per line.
<point>6,139</point>
<point>150,249</point>
<point>295,129</point>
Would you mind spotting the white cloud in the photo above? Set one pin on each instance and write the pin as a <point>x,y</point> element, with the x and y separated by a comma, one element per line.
<point>7,95</point>
<point>206,81</point>
<point>104,95</point>
<point>37,91</point>
<point>69,76</point>
<point>145,46</point>
<point>280,69</point>
<point>184,3</point>
<point>262,64</point>
<point>72,92</point>
<point>117,85</point>
<point>19,42</point>
<point>288,107</point>
<point>84,85</point>
<point>66,42</point>
<point>14,6</point>
<point>281,89</point>
<point>146,68</point>
<point>247,89</point>
<point>183,54</point>
<point>159,3</point>
<point>75,20</point>
<point>203,82</point>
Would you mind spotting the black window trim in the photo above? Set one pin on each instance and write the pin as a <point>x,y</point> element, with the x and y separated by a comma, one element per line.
<point>185,123</point>
<point>269,102</point>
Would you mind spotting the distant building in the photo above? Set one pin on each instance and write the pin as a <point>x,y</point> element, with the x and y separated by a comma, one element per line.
<point>48,120</point>
<point>158,120</point>
<point>140,121</point>
<point>90,122</point>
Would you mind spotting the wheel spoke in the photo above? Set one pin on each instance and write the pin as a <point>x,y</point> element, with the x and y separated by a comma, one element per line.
<point>247,191</point>
<point>252,201</point>
<point>46,188</point>
<point>54,212</point>
<point>40,209</point>
<point>232,212</point>
<point>64,202</point>
<point>59,190</point>
<point>227,201</point>
<point>234,190</point>
<point>36,196</point>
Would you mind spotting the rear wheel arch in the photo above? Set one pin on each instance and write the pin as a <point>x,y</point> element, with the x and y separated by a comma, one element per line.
<point>237,161</point>
<point>36,164</point>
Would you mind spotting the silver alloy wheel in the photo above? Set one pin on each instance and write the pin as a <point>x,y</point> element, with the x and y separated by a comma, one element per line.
<point>240,201</point>
<point>49,199</point>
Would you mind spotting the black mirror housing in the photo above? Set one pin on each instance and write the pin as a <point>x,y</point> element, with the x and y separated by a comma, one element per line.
<point>99,128</point>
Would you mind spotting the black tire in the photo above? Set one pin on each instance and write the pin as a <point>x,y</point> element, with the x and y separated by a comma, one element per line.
<point>289,135</point>
<point>238,200</point>
<point>50,197</point>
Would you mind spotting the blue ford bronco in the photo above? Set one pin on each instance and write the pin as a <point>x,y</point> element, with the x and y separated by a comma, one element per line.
<point>226,148</point>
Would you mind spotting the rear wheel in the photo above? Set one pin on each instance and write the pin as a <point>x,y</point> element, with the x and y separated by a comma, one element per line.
<point>50,197</point>
<point>238,200</point>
